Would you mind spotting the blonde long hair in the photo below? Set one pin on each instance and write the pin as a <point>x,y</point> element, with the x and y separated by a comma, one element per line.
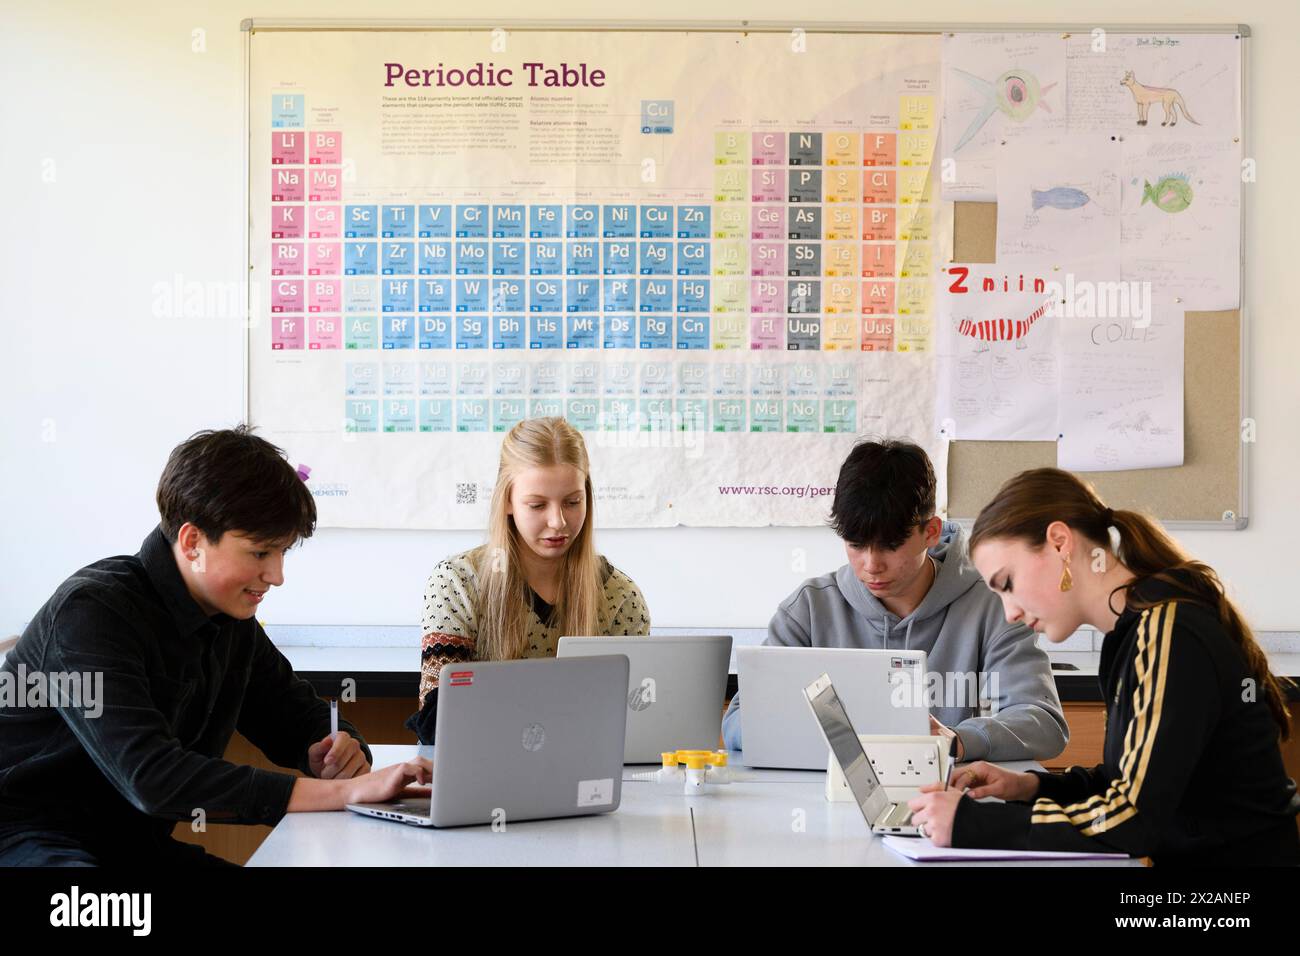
<point>502,606</point>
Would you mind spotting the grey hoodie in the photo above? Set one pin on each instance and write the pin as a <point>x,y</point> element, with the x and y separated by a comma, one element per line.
<point>960,625</point>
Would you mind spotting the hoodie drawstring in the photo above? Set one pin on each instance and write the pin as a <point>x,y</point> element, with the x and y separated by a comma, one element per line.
<point>907,637</point>
<point>911,618</point>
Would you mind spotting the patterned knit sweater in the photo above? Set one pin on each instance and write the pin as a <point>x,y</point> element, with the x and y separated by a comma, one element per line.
<point>450,633</point>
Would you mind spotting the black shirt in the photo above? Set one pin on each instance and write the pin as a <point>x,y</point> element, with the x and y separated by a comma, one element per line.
<point>540,607</point>
<point>175,686</point>
<point>1191,769</point>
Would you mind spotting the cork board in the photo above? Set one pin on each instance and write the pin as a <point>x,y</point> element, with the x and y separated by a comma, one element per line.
<point>1208,486</point>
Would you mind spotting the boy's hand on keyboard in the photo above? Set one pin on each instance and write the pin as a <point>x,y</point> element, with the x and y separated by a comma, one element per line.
<point>380,785</point>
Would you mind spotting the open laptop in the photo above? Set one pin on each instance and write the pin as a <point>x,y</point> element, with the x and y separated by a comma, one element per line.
<point>883,691</point>
<point>522,740</point>
<point>676,689</point>
<point>882,815</point>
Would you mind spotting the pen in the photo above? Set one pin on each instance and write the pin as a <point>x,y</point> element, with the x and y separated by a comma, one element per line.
<point>334,719</point>
<point>952,762</point>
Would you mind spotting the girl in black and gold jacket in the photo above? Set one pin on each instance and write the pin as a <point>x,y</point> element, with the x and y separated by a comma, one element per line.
<point>1191,770</point>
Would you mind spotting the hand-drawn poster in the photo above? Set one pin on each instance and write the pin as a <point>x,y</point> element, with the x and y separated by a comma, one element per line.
<point>1181,219</point>
<point>998,88</point>
<point>1154,85</point>
<point>1122,394</point>
<point>999,356</point>
<point>1059,201</point>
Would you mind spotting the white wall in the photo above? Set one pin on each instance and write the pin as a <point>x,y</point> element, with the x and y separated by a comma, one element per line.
<point>142,137</point>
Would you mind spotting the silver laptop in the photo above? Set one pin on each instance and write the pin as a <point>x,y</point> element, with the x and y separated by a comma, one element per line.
<point>522,740</point>
<point>676,689</point>
<point>882,815</point>
<point>882,689</point>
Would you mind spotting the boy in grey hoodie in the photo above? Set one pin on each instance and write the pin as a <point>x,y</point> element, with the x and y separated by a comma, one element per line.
<point>909,586</point>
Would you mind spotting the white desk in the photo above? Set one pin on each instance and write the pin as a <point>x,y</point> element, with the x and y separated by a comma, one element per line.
<point>768,817</point>
<point>644,831</point>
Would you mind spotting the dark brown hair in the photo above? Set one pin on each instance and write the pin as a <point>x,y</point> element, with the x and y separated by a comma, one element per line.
<point>885,490</point>
<point>232,480</point>
<point>1026,504</point>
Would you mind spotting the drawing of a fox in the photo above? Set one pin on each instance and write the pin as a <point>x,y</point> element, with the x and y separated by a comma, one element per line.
<point>1144,96</point>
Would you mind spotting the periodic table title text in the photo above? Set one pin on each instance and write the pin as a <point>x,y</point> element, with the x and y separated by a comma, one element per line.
<point>563,75</point>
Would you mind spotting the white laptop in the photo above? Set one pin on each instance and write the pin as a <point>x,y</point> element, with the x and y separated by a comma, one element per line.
<point>522,740</point>
<point>883,691</point>
<point>882,814</point>
<point>676,689</point>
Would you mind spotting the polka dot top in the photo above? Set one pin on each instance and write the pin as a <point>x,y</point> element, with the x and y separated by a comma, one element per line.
<point>450,632</point>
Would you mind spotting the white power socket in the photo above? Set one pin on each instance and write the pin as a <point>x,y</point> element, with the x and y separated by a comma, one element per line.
<point>904,764</point>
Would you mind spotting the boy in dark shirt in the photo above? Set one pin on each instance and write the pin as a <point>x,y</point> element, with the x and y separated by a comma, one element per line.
<point>129,682</point>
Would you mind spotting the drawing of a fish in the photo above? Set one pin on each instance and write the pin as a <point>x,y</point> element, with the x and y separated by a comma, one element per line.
<point>1058,197</point>
<point>1169,194</point>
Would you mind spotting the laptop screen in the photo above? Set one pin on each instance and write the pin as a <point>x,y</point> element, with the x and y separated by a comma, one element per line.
<point>844,743</point>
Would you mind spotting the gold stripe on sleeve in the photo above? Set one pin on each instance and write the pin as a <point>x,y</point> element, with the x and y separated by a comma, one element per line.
<point>1101,812</point>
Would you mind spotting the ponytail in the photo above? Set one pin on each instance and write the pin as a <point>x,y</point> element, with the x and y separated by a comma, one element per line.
<point>1026,504</point>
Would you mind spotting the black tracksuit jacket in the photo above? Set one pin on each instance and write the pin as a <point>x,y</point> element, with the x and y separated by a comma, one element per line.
<point>1192,772</point>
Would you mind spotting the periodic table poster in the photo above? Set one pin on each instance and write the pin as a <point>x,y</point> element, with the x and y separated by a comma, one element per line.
<point>714,253</point>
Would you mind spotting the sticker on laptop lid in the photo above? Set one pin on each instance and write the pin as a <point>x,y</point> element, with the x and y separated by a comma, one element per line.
<point>596,793</point>
<point>462,678</point>
<point>900,662</point>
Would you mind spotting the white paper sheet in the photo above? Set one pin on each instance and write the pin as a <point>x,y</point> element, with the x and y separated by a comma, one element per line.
<point>1180,229</point>
<point>998,375</point>
<point>996,87</point>
<point>1059,200</point>
<point>1115,79</point>
<point>923,851</point>
<point>1122,393</point>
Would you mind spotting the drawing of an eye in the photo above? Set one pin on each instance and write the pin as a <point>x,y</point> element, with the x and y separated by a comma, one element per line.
<point>1019,94</point>
<point>1016,93</point>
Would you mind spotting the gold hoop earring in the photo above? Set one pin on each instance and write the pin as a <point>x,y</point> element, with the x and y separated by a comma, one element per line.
<point>1067,580</point>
